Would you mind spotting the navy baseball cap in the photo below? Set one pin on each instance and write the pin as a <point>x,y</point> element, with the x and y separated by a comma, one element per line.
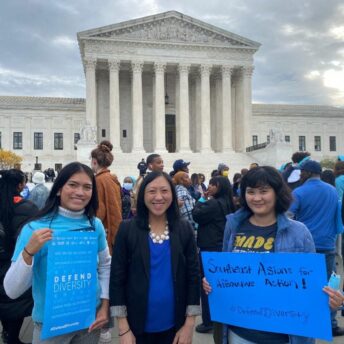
<point>311,166</point>
<point>180,164</point>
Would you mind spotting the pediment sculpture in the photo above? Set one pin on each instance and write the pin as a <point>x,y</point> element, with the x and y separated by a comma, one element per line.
<point>88,134</point>
<point>276,135</point>
<point>170,30</point>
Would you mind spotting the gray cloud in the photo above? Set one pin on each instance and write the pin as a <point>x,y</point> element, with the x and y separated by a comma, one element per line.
<point>300,60</point>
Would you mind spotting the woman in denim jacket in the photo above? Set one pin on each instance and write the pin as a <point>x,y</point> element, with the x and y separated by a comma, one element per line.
<point>265,199</point>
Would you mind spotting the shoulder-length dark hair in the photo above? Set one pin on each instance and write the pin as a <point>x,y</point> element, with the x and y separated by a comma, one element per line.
<point>53,202</point>
<point>224,190</point>
<point>172,212</point>
<point>9,183</point>
<point>267,176</point>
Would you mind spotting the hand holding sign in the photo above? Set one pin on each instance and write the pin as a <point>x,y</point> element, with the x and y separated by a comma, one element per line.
<point>336,298</point>
<point>206,286</point>
<point>38,239</point>
<point>102,317</point>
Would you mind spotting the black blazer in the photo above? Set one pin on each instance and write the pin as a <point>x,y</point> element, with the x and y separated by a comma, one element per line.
<point>130,271</point>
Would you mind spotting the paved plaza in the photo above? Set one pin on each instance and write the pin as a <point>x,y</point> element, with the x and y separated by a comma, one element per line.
<point>197,339</point>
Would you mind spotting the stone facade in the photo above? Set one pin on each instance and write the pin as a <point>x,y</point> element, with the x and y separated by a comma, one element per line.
<point>23,118</point>
<point>318,125</point>
<point>132,68</point>
<point>30,115</point>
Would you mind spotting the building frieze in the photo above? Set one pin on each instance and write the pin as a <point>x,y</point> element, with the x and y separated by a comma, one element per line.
<point>129,50</point>
<point>285,110</point>
<point>164,45</point>
<point>51,103</point>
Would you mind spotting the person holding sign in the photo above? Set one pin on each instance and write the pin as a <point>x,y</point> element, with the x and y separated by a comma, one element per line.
<point>71,206</point>
<point>261,226</point>
<point>154,283</point>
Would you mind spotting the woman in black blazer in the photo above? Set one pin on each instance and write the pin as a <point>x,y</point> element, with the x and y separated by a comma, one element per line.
<point>154,283</point>
<point>210,215</point>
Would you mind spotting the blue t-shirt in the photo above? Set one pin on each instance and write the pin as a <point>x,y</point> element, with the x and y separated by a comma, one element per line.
<point>160,310</point>
<point>59,223</point>
<point>315,204</point>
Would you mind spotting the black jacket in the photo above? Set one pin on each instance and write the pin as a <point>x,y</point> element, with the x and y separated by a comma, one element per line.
<point>22,306</point>
<point>211,219</point>
<point>130,271</point>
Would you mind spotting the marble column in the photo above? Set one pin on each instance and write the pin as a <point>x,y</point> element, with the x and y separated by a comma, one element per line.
<point>114,108</point>
<point>217,123</point>
<point>159,113</point>
<point>91,92</point>
<point>239,111</point>
<point>205,142</point>
<point>177,109</point>
<point>137,110</point>
<point>227,119</point>
<point>243,109</point>
<point>198,106</point>
<point>247,99</point>
<point>183,129</point>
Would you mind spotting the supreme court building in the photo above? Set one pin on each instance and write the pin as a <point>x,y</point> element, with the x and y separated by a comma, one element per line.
<point>171,84</point>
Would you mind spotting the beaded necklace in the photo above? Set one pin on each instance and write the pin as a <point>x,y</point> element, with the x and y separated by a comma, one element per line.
<point>159,239</point>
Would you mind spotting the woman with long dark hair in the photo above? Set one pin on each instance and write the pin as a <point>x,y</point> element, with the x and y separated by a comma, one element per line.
<point>71,205</point>
<point>211,218</point>
<point>14,211</point>
<point>154,283</point>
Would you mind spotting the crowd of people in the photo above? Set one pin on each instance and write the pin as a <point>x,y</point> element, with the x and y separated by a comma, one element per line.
<point>152,229</point>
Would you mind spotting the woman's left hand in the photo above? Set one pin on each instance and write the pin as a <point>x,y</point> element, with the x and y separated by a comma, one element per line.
<point>336,298</point>
<point>102,316</point>
<point>184,335</point>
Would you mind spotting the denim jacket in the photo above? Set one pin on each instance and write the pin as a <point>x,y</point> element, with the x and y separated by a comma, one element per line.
<point>292,236</point>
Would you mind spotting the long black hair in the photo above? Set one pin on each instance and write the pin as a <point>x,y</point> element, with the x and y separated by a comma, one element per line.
<point>9,184</point>
<point>172,212</point>
<point>224,191</point>
<point>267,176</point>
<point>53,201</point>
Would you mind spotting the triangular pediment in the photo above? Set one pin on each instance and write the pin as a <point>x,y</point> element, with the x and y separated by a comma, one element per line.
<point>170,27</point>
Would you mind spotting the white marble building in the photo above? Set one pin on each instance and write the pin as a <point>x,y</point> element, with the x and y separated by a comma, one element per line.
<point>172,84</point>
<point>41,127</point>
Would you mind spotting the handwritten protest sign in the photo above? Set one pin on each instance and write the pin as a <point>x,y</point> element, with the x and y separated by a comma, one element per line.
<point>279,292</point>
<point>71,284</point>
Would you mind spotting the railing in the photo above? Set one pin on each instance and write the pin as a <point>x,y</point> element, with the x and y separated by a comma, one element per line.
<point>256,147</point>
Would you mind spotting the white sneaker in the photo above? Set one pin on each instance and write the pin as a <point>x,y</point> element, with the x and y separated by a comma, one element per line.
<point>105,337</point>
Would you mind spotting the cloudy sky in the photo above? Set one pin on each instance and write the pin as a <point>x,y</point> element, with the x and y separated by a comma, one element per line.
<point>301,60</point>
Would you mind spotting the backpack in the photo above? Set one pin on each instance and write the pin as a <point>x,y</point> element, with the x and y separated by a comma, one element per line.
<point>5,249</point>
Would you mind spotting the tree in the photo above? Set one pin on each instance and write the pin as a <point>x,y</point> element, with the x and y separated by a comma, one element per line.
<point>9,159</point>
<point>328,163</point>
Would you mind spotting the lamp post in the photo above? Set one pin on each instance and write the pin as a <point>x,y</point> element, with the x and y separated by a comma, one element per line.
<point>37,167</point>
